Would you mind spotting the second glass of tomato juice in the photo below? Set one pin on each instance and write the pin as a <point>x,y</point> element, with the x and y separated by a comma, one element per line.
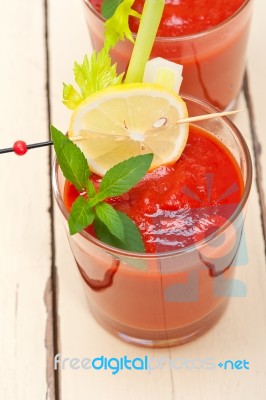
<point>191,216</point>
<point>209,41</point>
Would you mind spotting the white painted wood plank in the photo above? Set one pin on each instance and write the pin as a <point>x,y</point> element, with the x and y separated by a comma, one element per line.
<point>257,85</point>
<point>24,202</point>
<point>240,334</point>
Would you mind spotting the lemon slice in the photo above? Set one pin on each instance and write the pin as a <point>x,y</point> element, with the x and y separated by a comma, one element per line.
<point>127,120</point>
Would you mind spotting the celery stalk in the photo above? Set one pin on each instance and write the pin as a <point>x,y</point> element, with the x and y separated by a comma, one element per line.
<point>151,17</point>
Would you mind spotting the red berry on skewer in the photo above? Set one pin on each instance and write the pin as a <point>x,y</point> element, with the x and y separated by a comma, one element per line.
<point>20,147</point>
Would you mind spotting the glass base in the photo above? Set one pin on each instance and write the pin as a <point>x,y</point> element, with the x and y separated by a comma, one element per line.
<point>160,339</point>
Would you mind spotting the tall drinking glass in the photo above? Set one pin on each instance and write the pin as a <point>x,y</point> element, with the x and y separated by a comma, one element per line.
<point>166,298</point>
<point>213,60</point>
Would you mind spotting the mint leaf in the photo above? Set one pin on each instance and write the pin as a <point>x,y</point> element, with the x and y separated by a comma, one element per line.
<point>90,189</point>
<point>103,233</point>
<point>70,159</point>
<point>133,240</point>
<point>110,218</point>
<point>123,176</point>
<point>109,6</point>
<point>81,215</point>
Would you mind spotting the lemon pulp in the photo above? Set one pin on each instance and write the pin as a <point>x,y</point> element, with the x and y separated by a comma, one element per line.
<point>126,120</point>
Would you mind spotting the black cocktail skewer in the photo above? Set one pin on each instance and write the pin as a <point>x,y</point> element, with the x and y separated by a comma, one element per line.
<point>21,148</point>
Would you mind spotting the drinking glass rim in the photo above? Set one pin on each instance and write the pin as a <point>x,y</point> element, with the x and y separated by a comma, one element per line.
<point>192,36</point>
<point>201,243</point>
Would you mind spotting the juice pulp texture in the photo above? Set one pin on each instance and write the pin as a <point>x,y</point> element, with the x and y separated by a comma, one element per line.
<point>173,206</point>
<point>214,62</point>
<point>185,17</point>
<point>162,201</point>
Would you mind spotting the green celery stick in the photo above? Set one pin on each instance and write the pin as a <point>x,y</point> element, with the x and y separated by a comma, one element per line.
<point>150,20</point>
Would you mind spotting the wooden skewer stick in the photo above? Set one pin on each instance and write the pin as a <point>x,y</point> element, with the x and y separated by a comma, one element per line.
<point>207,116</point>
<point>185,120</point>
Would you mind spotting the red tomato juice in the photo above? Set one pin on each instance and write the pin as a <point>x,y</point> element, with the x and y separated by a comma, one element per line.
<point>202,36</point>
<point>185,17</point>
<point>174,206</point>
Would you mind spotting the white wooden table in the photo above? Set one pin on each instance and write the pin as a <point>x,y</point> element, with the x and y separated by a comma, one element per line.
<point>43,310</point>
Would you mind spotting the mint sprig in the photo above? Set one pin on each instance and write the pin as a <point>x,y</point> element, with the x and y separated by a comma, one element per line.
<point>111,226</point>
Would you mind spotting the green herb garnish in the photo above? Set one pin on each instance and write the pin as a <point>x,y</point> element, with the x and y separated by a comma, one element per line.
<point>119,11</point>
<point>72,161</point>
<point>111,226</point>
<point>108,7</point>
<point>117,27</point>
<point>98,72</point>
<point>91,75</point>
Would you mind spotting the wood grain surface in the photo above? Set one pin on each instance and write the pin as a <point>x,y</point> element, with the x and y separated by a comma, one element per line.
<point>43,310</point>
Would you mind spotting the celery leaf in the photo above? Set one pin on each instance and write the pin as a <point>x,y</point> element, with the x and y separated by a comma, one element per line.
<point>91,76</point>
<point>117,27</point>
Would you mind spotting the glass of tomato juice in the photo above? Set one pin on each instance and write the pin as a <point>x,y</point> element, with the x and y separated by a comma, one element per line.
<point>213,58</point>
<point>181,286</point>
